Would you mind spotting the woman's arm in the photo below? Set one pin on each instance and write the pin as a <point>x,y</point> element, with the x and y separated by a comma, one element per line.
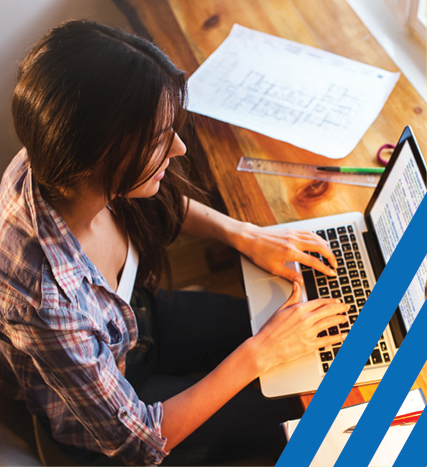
<point>268,248</point>
<point>291,332</point>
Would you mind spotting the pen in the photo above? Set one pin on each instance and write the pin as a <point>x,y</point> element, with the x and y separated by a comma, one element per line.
<point>361,170</point>
<point>400,420</point>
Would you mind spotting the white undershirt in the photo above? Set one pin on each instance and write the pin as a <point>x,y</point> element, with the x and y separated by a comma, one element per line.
<point>127,280</point>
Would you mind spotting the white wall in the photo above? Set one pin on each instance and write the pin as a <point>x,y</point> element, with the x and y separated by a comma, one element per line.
<point>402,45</point>
<point>22,23</point>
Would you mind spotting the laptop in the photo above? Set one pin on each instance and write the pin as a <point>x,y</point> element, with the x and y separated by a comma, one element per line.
<point>362,244</point>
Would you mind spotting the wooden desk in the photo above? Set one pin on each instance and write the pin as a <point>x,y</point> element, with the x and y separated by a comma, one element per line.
<point>190,30</point>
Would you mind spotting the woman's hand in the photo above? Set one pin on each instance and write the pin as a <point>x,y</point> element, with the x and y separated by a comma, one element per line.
<point>293,329</point>
<point>271,248</point>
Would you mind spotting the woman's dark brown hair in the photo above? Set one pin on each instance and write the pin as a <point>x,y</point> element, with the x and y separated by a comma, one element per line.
<point>90,97</point>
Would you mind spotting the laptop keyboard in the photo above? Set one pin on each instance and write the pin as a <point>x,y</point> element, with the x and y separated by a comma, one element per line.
<point>351,285</point>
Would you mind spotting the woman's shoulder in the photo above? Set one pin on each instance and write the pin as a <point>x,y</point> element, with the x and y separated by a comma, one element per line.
<point>15,184</point>
<point>16,171</point>
<point>21,255</point>
<point>20,247</point>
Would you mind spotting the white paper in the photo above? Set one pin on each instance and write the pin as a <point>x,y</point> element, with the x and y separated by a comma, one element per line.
<point>335,440</point>
<point>291,92</point>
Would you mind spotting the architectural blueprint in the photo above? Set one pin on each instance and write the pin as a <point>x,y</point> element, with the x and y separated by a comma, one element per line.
<point>292,92</point>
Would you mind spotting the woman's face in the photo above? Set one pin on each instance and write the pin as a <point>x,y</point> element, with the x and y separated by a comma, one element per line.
<point>152,185</point>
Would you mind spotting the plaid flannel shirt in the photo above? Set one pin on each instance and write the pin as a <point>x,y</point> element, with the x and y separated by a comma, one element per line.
<point>64,333</point>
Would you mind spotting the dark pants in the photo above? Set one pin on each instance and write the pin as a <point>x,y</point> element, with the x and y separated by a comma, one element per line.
<point>192,333</point>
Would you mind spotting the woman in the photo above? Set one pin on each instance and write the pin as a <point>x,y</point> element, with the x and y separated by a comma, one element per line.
<point>88,207</point>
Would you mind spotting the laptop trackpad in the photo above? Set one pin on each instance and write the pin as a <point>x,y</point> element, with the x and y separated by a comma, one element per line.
<point>267,296</point>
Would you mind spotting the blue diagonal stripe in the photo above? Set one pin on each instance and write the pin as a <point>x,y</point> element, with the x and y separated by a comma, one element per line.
<point>367,329</point>
<point>414,453</point>
<point>388,397</point>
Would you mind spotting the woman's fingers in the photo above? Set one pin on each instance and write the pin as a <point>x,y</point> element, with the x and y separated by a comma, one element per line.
<point>314,263</point>
<point>323,318</point>
<point>322,305</point>
<point>308,241</point>
<point>321,314</point>
<point>324,310</point>
<point>330,340</point>
<point>315,315</point>
<point>326,324</point>
<point>295,297</point>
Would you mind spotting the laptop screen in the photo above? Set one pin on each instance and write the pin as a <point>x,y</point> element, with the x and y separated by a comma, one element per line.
<point>400,192</point>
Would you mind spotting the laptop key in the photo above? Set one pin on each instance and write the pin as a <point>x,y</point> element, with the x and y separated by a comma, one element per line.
<point>353,319</point>
<point>348,299</point>
<point>366,284</point>
<point>336,293</point>
<point>357,254</point>
<point>351,264</point>
<point>341,271</point>
<point>346,289</point>
<point>333,331</point>
<point>334,244</point>
<point>354,273</point>
<point>360,302</point>
<point>337,253</point>
<point>347,247</point>
<point>348,255</point>
<point>321,233</point>
<point>335,350</point>
<point>383,346</point>
<point>321,281</point>
<point>340,262</point>
<point>325,367</point>
<point>326,356</point>
<point>333,284</point>
<point>386,357</point>
<point>332,235</point>
<point>376,357</point>
<point>341,230</point>
<point>322,333</point>
<point>355,247</point>
<point>363,274</point>
<point>324,291</point>
<point>344,280</point>
<point>352,310</point>
<point>359,293</point>
<point>310,284</point>
<point>350,228</point>
<point>352,238</point>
